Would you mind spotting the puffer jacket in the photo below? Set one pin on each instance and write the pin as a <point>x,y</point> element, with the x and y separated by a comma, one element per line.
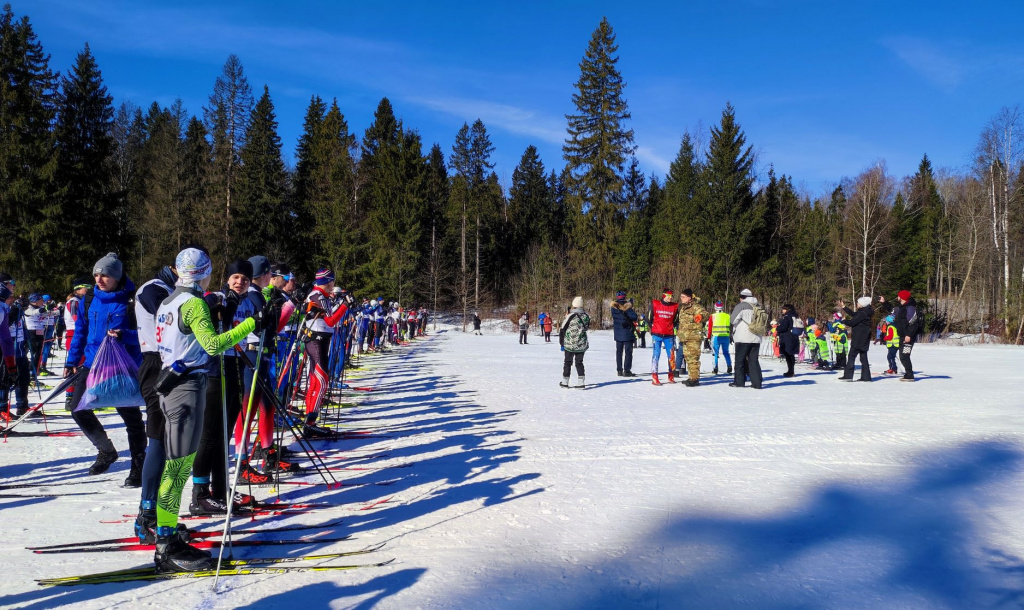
<point>692,318</point>
<point>573,334</point>
<point>107,311</point>
<point>624,318</point>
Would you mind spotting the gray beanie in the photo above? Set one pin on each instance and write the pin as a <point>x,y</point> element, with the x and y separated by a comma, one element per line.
<point>109,265</point>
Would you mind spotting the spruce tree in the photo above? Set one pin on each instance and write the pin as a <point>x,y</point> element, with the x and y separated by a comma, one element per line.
<point>529,206</point>
<point>226,118</point>
<point>633,249</point>
<point>724,221</point>
<point>86,206</point>
<point>28,92</point>
<point>262,183</point>
<point>199,220</point>
<point>595,152</point>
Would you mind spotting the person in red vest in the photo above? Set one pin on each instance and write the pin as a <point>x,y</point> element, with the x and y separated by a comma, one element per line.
<point>663,316</point>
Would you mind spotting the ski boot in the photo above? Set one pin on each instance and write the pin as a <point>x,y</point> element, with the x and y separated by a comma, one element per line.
<point>671,377</point>
<point>273,462</point>
<point>135,472</point>
<point>250,474</point>
<point>312,431</point>
<point>564,383</point>
<point>145,523</point>
<point>203,503</point>
<point>174,555</point>
<point>104,459</point>
<point>654,379</point>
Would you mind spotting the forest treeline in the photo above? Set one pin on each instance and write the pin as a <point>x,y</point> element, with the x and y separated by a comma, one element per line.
<point>393,216</point>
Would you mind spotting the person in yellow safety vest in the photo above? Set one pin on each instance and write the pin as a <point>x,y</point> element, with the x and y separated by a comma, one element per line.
<point>892,342</point>
<point>641,331</point>
<point>718,332</point>
<point>839,343</point>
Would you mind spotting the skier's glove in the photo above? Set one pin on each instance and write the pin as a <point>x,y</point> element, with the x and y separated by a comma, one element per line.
<point>11,376</point>
<point>231,298</point>
<point>266,318</point>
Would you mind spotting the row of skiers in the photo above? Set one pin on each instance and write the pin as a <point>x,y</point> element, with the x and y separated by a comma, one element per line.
<point>680,328</point>
<point>270,334</point>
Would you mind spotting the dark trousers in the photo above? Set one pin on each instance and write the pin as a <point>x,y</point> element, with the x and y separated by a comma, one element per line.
<point>567,365</point>
<point>905,349</point>
<point>522,337</point>
<point>643,340</point>
<point>149,370</point>
<point>93,429</point>
<point>865,368</point>
<point>627,347</point>
<point>747,364</point>
<point>210,457</point>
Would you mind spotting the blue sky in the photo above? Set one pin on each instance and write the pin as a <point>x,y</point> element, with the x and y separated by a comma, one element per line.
<point>822,89</point>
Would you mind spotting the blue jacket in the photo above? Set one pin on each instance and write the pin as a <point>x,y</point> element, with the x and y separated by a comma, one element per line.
<point>107,311</point>
<point>624,318</point>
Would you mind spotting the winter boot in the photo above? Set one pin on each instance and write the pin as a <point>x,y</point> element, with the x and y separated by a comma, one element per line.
<point>565,382</point>
<point>203,503</point>
<point>729,372</point>
<point>135,472</point>
<point>174,555</point>
<point>692,383</point>
<point>654,379</point>
<point>619,373</point>
<point>583,382</point>
<point>628,374</point>
<point>250,474</point>
<point>714,371</point>
<point>104,459</point>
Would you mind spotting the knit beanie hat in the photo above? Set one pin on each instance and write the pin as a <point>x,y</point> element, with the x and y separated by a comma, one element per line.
<point>719,306</point>
<point>688,292</point>
<point>903,294</point>
<point>323,277</point>
<point>746,293</point>
<point>260,265</point>
<point>864,301</point>
<point>237,266</point>
<point>192,265</point>
<point>110,266</point>
<point>577,303</point>
<point>620,295</point>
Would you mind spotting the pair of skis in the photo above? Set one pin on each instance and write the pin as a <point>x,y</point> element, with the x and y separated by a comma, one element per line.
<point>229,567</point>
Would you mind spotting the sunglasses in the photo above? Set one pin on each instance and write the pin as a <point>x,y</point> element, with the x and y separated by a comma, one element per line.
<point>287,278</point>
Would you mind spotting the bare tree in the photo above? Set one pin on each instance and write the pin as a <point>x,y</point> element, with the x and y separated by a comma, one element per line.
<point>867,224</point>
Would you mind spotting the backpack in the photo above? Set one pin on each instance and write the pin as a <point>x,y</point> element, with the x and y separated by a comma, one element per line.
<point>758,320</point>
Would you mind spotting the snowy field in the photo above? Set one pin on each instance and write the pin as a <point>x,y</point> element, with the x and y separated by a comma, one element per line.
<point>502,490</point>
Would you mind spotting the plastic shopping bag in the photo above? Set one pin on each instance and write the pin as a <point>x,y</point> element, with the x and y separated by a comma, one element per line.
<point>113,379</point>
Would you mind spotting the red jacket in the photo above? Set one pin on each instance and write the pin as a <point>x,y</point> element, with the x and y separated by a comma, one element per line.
<point>663,318</point>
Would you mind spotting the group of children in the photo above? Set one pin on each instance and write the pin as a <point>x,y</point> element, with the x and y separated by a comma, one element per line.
<point>825,345</point>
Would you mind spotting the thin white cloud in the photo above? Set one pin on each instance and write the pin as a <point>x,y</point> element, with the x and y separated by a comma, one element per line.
<point>513,119</point>
<point>935,63</point>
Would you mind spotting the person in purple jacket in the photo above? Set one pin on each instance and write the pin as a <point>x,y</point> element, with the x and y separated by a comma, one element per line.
<point>106,310</point>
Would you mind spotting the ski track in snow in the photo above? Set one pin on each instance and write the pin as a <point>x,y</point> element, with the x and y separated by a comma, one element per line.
<point>521,494</point>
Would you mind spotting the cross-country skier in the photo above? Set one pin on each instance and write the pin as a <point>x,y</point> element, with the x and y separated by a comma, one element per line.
<point>321,318</point>
<point>147,301</point>
<point>186,340</point>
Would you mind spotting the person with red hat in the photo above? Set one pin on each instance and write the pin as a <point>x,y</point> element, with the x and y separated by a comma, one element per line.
<point>664,317</point>
<point>907,321</point>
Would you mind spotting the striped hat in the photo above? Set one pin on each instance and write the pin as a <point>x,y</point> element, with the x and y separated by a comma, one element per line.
<point>323,277</point>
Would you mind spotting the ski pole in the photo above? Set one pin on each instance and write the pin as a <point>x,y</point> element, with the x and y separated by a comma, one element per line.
<point>238,461</point>
<point>224,423</point>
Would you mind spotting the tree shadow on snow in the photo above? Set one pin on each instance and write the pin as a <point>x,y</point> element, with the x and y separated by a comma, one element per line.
<point>910,541</point>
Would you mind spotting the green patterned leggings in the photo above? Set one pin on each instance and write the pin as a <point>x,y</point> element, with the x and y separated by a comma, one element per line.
<point>183,410</point>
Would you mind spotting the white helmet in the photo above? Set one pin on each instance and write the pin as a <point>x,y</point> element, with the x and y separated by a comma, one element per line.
<point>373,302</point>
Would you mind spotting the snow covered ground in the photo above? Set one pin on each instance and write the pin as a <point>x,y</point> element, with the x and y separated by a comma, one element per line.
<point>507,491</point>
